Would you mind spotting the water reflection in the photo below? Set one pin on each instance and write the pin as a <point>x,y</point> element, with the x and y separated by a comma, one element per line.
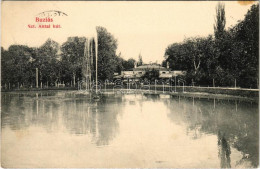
<point>224,151</point>
<point>234,122</point>
<point>62,110</point>
<point>129,131</point>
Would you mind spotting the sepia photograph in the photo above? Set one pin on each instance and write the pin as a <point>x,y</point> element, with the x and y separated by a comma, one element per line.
<point>129,84</point>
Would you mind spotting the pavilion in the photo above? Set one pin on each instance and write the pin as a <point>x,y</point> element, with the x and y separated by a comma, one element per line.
<point>138,71</point>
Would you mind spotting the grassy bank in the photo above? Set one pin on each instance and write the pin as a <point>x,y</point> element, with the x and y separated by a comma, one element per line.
<point>251,93</point>
<point>38,89</point>
<point>224,91</point>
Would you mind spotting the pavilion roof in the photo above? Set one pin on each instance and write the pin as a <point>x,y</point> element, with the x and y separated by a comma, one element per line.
<point>150,67</point>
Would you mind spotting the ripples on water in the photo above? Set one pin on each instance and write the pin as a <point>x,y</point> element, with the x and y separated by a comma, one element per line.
<point>68,129</point>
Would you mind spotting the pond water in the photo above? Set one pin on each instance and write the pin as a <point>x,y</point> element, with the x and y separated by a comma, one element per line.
<point>68,129</point>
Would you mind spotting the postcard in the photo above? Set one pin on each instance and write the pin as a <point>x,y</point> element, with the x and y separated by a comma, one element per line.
<point>130,84</point>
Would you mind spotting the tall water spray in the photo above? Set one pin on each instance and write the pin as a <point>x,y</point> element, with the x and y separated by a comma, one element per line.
<point>88,67</point>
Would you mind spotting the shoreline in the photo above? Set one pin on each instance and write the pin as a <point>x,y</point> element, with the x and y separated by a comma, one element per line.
<point>236,94</point>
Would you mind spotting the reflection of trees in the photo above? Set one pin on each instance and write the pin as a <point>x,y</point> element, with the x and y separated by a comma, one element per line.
<point>78,114</point>
<point>224,151</point>
<point>153,97</point>
<point>99,119</point>
<point>107,121</point>
<point>12,111</point>
<point>45,113</point>
<point>23,110</point>
<point>238,121</point>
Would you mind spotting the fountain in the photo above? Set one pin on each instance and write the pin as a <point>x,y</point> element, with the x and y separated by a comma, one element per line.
<point>88,55</point>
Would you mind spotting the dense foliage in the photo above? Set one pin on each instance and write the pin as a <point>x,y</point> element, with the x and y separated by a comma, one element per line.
<point>151,75</point>
<point>59,64</point>
<point>230,57</point>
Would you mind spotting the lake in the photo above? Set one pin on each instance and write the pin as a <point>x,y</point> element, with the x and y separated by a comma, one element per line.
<point>69,129</point>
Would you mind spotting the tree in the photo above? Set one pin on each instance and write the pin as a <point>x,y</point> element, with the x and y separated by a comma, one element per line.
<point>129,64</point>
<point>19,62</point>
<point>47,63</point>
<point>72,58</point>
<point>6,64</point>
<point>220,21</point>
<point>232,56</point>
<point>16,65</point>
<point>195,55</point>
<point>107,46</point>
<point>119,63</point>
<point>140,60</point>
<point>151,75</point>
<point>245,48</point>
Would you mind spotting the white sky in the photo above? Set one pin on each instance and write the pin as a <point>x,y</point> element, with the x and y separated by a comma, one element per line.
<point>146,27</point>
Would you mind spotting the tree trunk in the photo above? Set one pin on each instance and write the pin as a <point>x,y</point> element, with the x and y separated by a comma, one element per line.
<point>196,67</point>
<point>74,79</point>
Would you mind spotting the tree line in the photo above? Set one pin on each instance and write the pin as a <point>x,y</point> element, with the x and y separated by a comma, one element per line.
<point>59,63</point>
<point>230,57</point>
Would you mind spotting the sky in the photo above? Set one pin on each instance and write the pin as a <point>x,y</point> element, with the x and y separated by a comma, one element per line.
<point>143,27</point>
